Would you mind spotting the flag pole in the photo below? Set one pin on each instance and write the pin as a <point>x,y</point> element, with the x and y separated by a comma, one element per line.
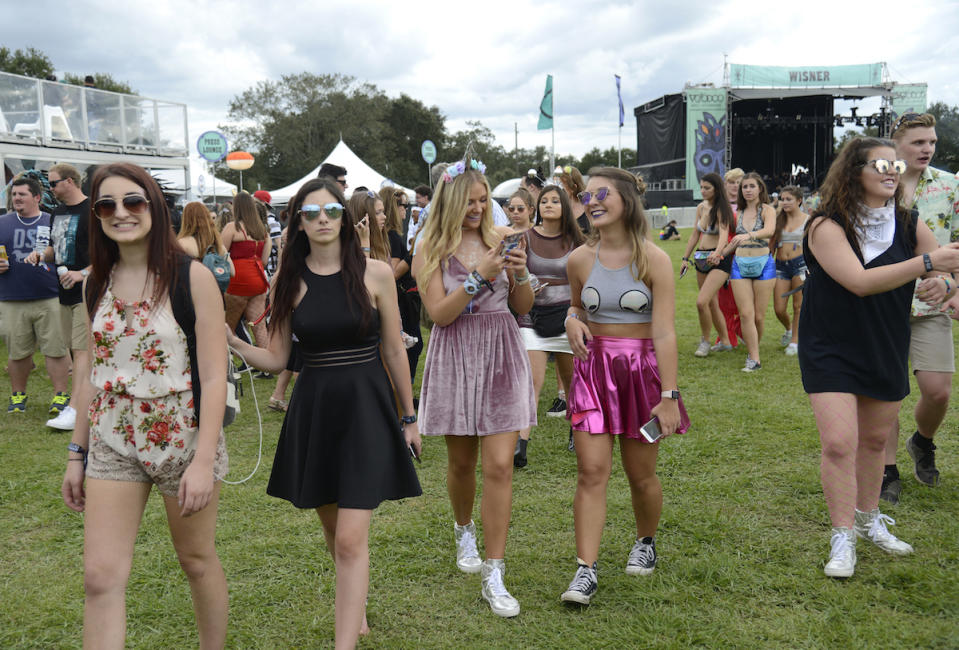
<point>552,147</point>
<point>620,146</point>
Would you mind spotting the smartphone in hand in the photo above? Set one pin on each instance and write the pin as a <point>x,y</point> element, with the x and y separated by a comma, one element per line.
<point>651,430</point>
<point>511,241</point>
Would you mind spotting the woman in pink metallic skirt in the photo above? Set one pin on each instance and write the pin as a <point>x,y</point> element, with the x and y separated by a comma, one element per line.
<point>621,331</point>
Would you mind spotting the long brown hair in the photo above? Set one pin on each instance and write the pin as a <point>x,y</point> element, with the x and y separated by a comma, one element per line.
<point>781,216</point>
<point>394,218</point>
<point>843,194</point>
<point>363,204</point>
<point>293,262</point>
<point>763,193</point>
<point>720,213</point>
<point>162,249</point>
<point>197,223</point>
<point>247,219</point>
<point>572,233</point>
<point>631,189</point>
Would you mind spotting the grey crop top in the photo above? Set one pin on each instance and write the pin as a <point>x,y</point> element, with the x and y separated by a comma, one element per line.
<point>793,236</point>
<point>615,296</point>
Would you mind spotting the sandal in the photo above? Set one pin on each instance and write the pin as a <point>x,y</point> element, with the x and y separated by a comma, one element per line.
<point>277,405</point>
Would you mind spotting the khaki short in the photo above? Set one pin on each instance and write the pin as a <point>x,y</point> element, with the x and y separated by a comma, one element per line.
<point>105,463</point>
<point>27,323</point>
<point>74,319</point>
<point>930,346</point>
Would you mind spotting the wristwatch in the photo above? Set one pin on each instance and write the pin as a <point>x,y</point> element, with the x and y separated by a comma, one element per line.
<point>85,272</point>
<point>927,261</point>
<point>670,394</point>
<point>408,419</point>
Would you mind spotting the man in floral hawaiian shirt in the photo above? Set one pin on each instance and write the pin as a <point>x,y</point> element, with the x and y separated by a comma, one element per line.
<point>935,194</point>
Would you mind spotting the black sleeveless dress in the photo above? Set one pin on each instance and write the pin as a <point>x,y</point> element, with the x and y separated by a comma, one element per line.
<point>341,440</point>
<point>849,344</point>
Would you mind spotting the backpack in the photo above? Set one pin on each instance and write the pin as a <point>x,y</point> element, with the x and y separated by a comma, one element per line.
<point>219,265</point>
<point>181,301</point>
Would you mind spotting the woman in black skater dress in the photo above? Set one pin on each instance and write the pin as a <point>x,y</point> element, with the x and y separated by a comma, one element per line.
<point>341,449</point>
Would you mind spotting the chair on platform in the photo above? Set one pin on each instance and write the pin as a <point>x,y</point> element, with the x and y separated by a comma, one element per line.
<point>55,120</point>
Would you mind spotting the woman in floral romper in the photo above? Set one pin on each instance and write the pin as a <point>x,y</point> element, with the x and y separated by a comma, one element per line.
<point>142,428</point>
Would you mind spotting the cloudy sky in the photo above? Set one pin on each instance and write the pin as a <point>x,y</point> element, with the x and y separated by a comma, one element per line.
<point>484,61</point>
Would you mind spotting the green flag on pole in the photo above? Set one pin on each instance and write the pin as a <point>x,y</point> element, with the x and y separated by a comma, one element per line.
<point>546,106</point>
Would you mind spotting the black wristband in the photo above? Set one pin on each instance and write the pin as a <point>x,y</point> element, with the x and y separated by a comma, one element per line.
<point>927,261</point>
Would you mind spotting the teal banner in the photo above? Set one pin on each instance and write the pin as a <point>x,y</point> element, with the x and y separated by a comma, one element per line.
<point>908,98</point>
<point>767,76</point>
<point>705,134</point>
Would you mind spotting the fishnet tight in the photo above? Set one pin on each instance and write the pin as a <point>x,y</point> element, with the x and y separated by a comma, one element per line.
<point>853,431</point>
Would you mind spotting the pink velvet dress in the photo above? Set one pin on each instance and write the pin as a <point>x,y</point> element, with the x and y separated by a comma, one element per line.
<point>477,378</point>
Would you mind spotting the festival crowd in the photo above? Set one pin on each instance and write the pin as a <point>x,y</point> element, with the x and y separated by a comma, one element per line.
<point>133,317</point>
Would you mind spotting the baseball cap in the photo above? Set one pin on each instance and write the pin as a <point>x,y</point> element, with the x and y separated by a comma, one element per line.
<point>263,195</point>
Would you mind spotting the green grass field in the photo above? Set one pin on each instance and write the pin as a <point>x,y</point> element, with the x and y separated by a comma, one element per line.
<point>742,542</point>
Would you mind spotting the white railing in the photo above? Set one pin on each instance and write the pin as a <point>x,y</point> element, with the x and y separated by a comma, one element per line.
<point>55,114</point>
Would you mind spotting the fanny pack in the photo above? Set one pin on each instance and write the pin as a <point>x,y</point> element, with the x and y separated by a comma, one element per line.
<point>548,321</point>
<point>702,265</point>
<point>751,267</point>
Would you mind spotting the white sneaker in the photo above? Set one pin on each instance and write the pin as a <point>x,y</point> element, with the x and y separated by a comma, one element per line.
<point>467,557</point>
<point>494,591</point>
<point>786,338</point>
<point>751,366</point>
<point>65,421</point>
<point>842,554</point>
<point>792,349</point>
<point>872,526</point>
<point>703,349</point>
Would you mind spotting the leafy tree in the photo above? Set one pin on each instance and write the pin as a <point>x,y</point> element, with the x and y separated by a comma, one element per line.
<point>30,62</point>
<point>947,131</point>
<point>608,158</point>
<point>292,124</point>
<point>103,81</point>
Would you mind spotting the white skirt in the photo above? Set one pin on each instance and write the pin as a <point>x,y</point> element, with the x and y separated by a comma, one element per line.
<point>533,341</point>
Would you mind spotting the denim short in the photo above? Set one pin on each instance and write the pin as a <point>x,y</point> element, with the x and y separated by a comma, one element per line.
<point>768,271</point>
<point>788,269</point>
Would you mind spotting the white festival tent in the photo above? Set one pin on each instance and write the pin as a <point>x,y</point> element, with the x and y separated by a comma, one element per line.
<point>358,173</point>
<point>173,181</point>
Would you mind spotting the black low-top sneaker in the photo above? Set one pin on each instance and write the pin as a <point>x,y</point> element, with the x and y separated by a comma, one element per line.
<point>926,472</point>
<point>557,409</point>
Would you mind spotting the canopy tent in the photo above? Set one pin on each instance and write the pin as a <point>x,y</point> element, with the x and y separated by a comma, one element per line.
<point>358,173</point>
<point>173,181</point>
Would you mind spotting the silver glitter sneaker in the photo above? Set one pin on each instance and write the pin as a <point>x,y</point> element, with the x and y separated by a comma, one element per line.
<point>467,557</point>
<point>872,526</point>
<point>494,591</point>
<point>842,554</point>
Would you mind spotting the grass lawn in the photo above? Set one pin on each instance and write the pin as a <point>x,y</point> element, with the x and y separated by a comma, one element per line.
<point>742,541</point>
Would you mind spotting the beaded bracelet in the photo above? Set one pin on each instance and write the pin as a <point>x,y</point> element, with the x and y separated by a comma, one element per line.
<point>522,280</point>
<point>948,286</point>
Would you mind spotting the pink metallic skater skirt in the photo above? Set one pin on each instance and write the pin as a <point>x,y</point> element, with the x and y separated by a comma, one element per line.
<point>616,387</point>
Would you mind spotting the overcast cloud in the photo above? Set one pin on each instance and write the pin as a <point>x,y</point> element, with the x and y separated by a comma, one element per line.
<point>485,61</point>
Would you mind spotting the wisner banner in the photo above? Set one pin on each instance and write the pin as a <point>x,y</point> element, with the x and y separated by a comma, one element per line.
<point>768,76</point>
<point>705,135</point>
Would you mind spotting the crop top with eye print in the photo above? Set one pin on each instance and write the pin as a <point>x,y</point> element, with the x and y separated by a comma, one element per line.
<point>615,296</point>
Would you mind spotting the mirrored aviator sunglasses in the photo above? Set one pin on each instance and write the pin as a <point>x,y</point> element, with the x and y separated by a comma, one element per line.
<point>311,211</point>
<point>132,203</point>
<point>601,194</point>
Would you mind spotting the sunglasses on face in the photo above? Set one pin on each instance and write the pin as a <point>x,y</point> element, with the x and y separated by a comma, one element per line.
<point>601,194</point>
<point>885,166</point>
<point>54,183</point>
<point>312,211</point>
<point>134,204</point>
<point>516,208</point>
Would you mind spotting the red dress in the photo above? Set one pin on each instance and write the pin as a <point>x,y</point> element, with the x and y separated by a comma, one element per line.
<point>250,278</point>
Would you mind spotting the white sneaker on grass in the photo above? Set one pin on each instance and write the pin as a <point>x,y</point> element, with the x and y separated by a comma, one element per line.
<point>842,553</point>
<point>872,526</point>
<point>792,349</point>
<point>703,349</point>
<point>65,420</point>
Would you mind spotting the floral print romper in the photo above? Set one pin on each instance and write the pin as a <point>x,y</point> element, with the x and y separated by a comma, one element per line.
<point>142,425</point>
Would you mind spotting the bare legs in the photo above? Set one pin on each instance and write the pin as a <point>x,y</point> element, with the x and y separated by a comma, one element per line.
<point>250,309</point>
<point>934,389</point>
<point>752,299</point>
<point>113,513</point>
<point>853,430</point>
<point>347,533</point>
<point>497,467</point>
<point>58,369</point>
<point>707,304</point>
<point>781,305</point>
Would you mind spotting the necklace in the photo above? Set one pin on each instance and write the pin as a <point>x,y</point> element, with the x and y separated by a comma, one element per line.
<point>36,219</point>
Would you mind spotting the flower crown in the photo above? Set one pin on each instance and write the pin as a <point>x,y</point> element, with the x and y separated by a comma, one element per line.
<point>459,167</point>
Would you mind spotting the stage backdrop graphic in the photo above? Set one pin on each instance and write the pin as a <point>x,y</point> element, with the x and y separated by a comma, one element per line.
<point>768,76</point>
<point>908,98</point>
<point>705,134</point>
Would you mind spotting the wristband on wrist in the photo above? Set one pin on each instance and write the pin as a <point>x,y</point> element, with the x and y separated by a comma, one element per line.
<point>521,280</point>
<point>480,280</point>
<point>366,249</point>
<point>470,285</point>
<point>927,261</point>
<point>948,286</point>
<point>574,315</point>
